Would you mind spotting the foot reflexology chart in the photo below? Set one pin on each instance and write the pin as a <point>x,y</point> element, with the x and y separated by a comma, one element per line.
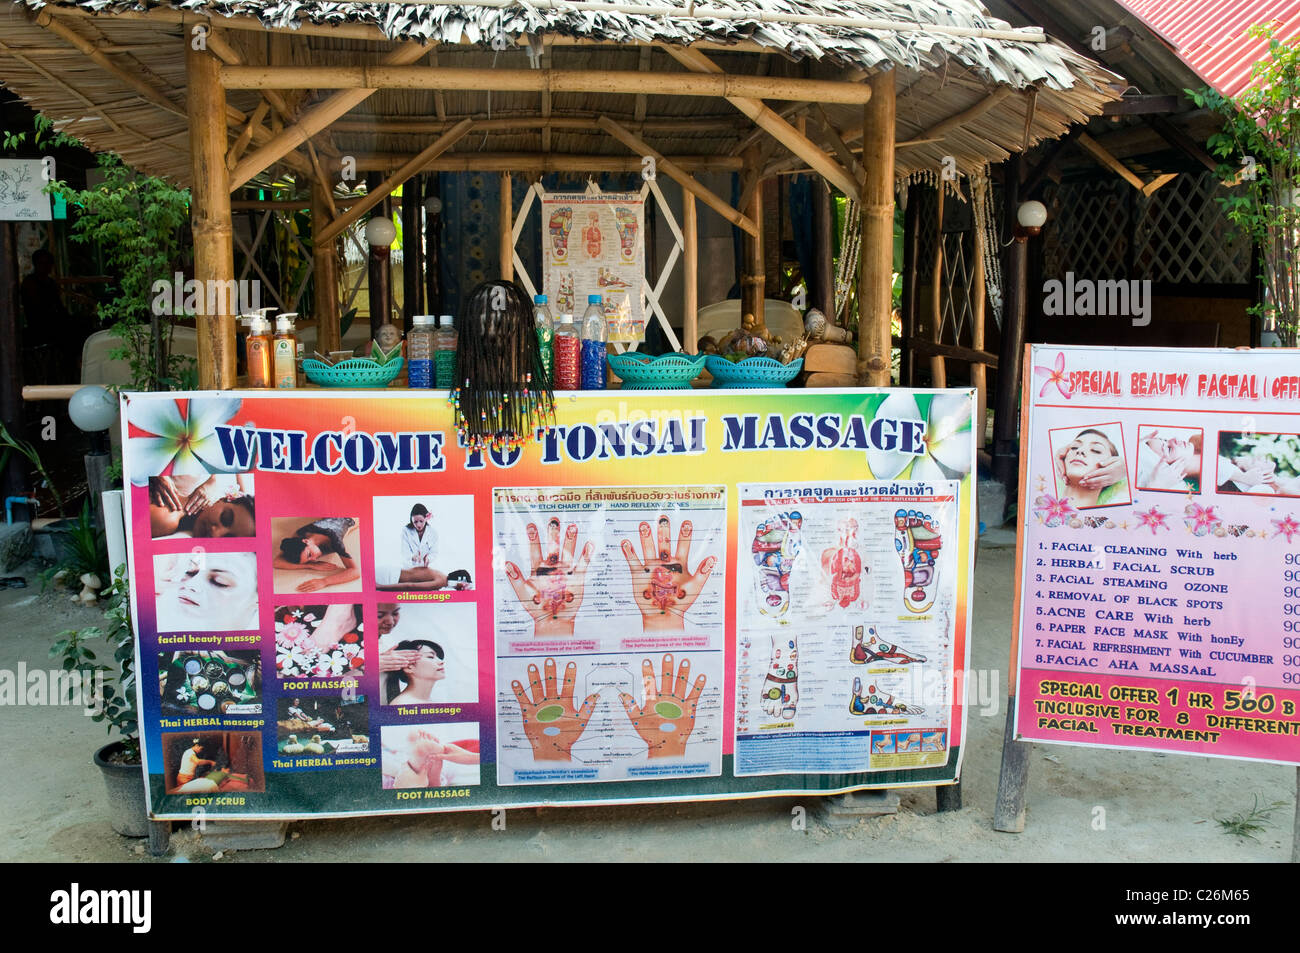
<point>845,607</point>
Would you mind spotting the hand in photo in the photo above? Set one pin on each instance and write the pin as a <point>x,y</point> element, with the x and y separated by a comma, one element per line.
<point>666,718</point>
<point>663,586</point>
<point>551,593</point>
<point>550,720</point>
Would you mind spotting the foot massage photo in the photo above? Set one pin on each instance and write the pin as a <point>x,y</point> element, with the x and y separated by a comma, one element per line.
<point>209,506</point>
<point>424,543</point>
<point>430,756</point>
<point>428,653</point>
<point>314,555</point>
<point>1089,465</point>
<point>205,592</point>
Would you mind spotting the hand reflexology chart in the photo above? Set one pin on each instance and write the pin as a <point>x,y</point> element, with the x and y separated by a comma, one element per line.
<point>614,613</point>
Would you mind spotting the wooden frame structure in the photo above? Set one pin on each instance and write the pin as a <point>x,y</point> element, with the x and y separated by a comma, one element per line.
<point>233,100</point>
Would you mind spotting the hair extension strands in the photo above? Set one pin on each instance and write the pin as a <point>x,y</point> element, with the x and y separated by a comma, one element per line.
<point>505,395</point>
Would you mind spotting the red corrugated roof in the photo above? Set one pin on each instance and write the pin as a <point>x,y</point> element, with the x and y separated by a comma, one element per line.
<point>1210,35</point>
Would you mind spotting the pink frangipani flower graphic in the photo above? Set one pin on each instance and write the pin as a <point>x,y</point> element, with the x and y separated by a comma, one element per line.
<point>1052,510</point>
<point>1055,375</point>
<point>1152,519</point>
<point>1287,527</point>
<point>1201,520</point>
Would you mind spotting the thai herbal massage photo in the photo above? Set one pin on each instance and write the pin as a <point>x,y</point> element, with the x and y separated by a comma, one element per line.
<point>206,507</point>
<point>1089,466</point>
<point>206,592</point>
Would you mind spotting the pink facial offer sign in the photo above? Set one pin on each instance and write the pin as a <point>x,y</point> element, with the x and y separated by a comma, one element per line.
<point>1159,551</point>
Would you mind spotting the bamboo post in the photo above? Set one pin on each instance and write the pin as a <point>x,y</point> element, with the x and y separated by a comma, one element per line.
<point>911,304</point>
<point>507,230</point>
<point>821,284</point>
<point>433,248</point>
<point>1015,270</point>
<point>938,370</point>
<point>753,282</point>
<point>690,274</point>
<point>412,252</point>
<point>324,275</point>
<point>876,268</point>
<point>978,371</point>
<point>214,257</point>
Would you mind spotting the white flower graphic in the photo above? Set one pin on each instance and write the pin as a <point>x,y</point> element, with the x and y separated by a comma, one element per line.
<point>184,440</point>
<point>948,437</point>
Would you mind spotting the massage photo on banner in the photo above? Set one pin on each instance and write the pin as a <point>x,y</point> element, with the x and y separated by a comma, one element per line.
<point>319,641</point>
<point>206,762</point>
<point>204,506</point>
<point>1169,459</point>
<point>202,591</point>
<point>428,653</point>
<point>219,683</point>
<point>1258,464</point>
<point>316,555</point>
<point>424,542</point>
<point>1090,466</point>
<point>321,726</point>
<point>430,756</point>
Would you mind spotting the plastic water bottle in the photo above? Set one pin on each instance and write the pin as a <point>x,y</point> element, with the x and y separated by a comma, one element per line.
<point>444,353</point>
<point>593,345</point>
<point>567,360</point>
<point>545,334</point>
<point>419,351</point>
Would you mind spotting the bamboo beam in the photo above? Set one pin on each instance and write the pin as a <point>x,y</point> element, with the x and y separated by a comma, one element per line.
<point>940,129</point>
<point>955,351</point>
<point>679,175</point>
<point>246,135</point>
<point>506,239</point>
<point>876,266</point>
<point>325,275</point>
<point>642,66</point>
<point>1099,152</point>
<point>214,259</point>
<point>533,162</point>
<point>150,92</point>
<point>763,116</point>
<point>391,124</point>
<point>842,151</point>
<point>315,119</point>
<point>410,168</point>
<point>717,85</point>
<point>690,274</point>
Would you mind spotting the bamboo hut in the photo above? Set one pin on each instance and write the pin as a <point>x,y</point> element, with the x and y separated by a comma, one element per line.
<point>867,94</point>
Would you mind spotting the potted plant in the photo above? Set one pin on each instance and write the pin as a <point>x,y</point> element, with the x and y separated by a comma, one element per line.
<point>115,704</point>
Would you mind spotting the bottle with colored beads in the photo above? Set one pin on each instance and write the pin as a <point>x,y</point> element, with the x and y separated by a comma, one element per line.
<point>567,355</point>
<point>593,345</point>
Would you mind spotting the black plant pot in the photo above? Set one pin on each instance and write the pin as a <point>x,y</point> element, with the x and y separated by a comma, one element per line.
<point>128,813</point>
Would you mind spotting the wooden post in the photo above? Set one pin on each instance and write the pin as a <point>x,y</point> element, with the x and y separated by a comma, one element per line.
<point>433,249</point>
<point>876,269</point>
<point>938,370</point>
<point>1013,779</point>
<point>754,279</point>
<point>12,479</point>
<point>821,283</point>
<point>214,257</point>
<point>411,251</point>
<point>690,274</point>
<point>507,230</point>
<point>978,371</point>
<point>1015,276</point>
<point>911,252</point>
<point>325,276</point>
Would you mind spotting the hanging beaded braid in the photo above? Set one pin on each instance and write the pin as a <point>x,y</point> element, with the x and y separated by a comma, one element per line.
<point>504,395</point>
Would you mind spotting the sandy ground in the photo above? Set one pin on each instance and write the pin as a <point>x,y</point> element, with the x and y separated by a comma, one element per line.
<point>1154,807</point>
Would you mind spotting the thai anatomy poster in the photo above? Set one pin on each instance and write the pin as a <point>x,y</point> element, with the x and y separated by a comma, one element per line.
<point>1160,551</point>
<point>340,611</point>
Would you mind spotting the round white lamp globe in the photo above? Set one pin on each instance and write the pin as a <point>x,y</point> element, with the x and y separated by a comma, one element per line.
<point>92,408</point>
<point>1031,214</point>
<point>380,231</point>
<point>433,205</point>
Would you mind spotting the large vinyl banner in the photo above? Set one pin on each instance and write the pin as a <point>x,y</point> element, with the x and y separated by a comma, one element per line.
<point>1160,585</point>
<point>667,596</point>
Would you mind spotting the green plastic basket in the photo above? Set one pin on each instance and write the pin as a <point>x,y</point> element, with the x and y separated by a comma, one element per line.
<point>354,372</point>
<point>666,372</point>
<point>752,371</point>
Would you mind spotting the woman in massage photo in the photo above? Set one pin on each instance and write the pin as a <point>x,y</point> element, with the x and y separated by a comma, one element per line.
<point>1169,459</point>
<point>415,683</point>
<point>209,507</point>
<point>1090,466</point>
<point>303,550</point>
<point>206,592</point>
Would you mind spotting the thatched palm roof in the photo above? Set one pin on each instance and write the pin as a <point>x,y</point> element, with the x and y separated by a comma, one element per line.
<point>949,58</point>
